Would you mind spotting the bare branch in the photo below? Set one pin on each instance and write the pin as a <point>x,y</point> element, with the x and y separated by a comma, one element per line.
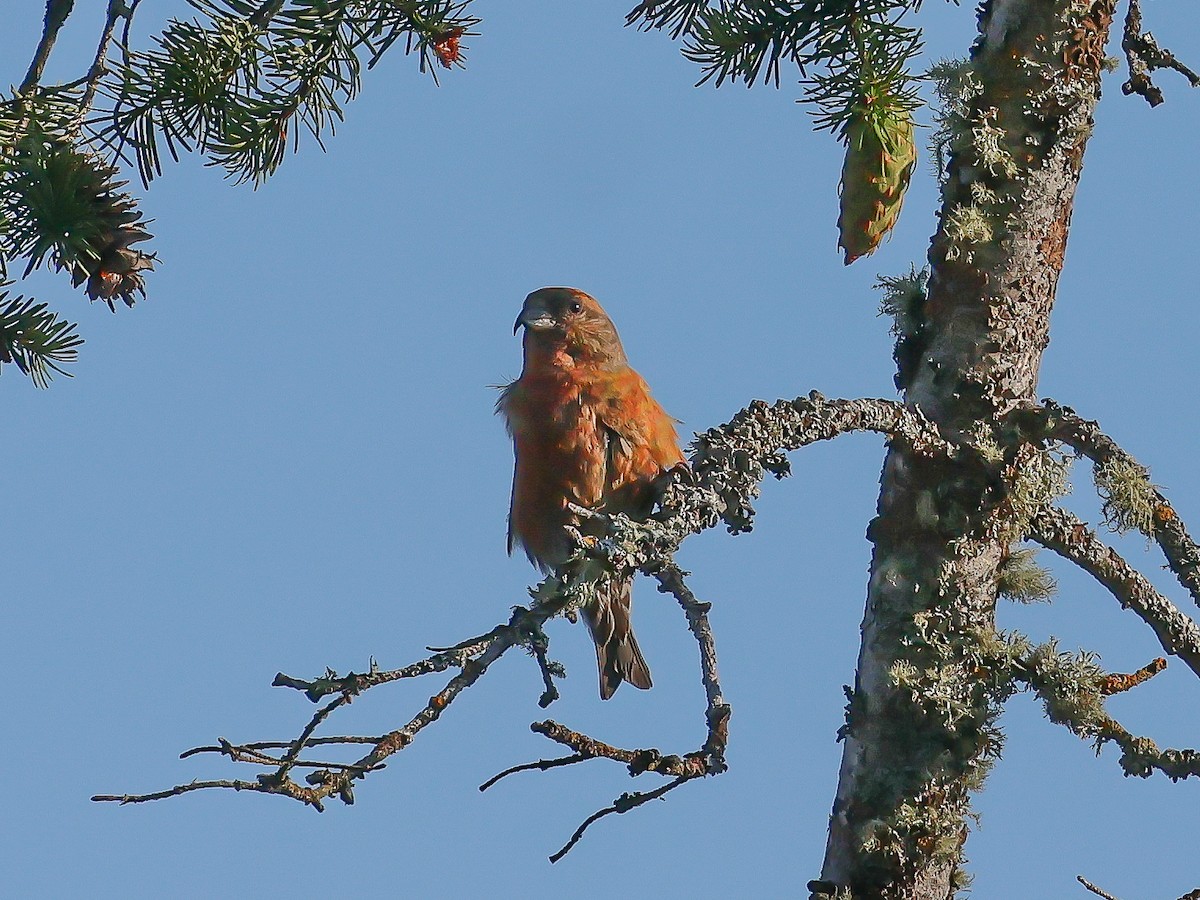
<point>252,753</point>
<point>354,683</point>
<point>1069,537</point>
<point>670,578</point>
<point>289,759</point>
<point>709,760</point>
<point>1062,424</point>
<point>473,660</point>
<point>129,13</point>
<point>1143,55</point>
<point>123,799</point>
<point>539,643</point>
<point>694,765</point>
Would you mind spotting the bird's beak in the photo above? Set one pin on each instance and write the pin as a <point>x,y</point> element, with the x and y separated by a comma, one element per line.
<point>537,319</point>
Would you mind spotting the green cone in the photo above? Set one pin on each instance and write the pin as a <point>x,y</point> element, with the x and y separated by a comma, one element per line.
<point>880,155</point>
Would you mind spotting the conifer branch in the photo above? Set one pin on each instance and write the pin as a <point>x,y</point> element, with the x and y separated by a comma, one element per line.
<point>34,339</point>
<point>242,85</point>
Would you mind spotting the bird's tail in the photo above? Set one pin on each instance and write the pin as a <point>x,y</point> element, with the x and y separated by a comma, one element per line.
<point>617,653</point>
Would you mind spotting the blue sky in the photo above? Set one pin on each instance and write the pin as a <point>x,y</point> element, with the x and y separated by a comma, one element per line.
<point>286,459</point>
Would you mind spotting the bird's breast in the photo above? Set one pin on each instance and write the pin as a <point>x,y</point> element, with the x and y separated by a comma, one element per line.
<point>560,459</point>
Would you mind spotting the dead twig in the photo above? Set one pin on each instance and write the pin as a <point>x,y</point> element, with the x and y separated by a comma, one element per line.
<point>542,765</point>
<point>621,805</point>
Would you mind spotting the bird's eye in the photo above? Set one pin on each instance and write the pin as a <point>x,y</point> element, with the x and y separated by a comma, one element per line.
<point>576,306</point>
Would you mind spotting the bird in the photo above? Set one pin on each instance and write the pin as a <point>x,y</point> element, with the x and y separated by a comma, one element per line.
<point>585,432</point>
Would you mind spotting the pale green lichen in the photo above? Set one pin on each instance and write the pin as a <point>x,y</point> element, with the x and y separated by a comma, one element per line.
<point>902,300</point>
<point>1023,581</point>
<point>988,138</point>
<point>956,87</point>
<point>1034,483</point>
<point>982,195</point>
<point>987,446</point>
<point>967,225</point>
<point>1128,494</point>
<point>1069,686</point>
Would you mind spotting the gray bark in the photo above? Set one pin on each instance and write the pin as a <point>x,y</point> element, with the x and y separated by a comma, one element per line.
<point>921,729</point>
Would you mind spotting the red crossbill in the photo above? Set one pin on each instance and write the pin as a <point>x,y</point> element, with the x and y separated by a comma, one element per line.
<point>586,432</point>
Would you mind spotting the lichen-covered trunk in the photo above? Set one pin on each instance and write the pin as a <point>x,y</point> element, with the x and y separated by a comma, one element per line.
<point>921,730</point>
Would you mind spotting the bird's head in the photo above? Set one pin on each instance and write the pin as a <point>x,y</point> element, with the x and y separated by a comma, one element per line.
<point>567,326</point>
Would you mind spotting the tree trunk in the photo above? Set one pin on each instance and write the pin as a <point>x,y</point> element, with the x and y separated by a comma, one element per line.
<point>920,731</point>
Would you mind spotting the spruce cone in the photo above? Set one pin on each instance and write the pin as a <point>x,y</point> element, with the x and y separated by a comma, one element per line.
<point>880,155</point>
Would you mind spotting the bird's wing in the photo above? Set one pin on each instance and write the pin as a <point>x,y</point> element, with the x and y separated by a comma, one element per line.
<point>628,411</point>
<point>642,442</point>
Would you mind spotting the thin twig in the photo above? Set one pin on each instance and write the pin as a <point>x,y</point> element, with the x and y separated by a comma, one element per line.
<point>124,799</point>
<point>1095,890</point>
<point>621,805</point>
<point>281,745</point>
<point>298,745</point>
<point>355,683</point>
<point>545,665</point>
<point>116,9</point>
<point>542,765</point>
<point>474,662</point>
<point>671,580</point>
<point>727,467</point>
<point>709,760</point>
<point>133,5</point>
<point>650,760</point>
<point>254,754</point>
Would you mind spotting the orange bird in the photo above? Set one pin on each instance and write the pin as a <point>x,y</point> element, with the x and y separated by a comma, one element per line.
<point>585,431</point>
